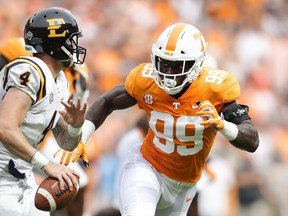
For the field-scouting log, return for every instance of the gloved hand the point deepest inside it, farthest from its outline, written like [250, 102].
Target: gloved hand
[210, 115]
[68, 156]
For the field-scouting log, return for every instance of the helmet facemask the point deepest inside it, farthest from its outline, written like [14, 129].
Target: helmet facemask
[173, 76]
[76, 54]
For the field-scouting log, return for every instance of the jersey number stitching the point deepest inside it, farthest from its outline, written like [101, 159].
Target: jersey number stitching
[25, 78]
[165, 138]
[215, 76]
[147, 71]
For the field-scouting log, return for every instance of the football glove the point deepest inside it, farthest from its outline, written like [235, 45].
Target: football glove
[68, 156]
[210, 115]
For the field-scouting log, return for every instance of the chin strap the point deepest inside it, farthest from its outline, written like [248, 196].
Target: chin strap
[70, 61]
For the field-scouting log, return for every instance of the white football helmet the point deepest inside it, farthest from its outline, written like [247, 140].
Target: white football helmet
[180, 49]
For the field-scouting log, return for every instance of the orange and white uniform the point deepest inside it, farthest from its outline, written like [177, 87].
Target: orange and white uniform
[176, 144]
[172, 157]
[77, 77]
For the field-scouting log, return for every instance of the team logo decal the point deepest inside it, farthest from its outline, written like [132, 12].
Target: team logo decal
[176, 105]
[54, 25]
[29, 35]
[148, 99]
[241, 112]
[195, 106]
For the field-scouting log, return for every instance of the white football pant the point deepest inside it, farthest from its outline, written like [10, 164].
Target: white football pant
[17, 196]
[146, 192]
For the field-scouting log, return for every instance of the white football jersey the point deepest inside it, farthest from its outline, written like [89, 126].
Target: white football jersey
[33, 76]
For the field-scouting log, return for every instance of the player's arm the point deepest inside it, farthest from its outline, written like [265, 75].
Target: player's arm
[12, 115]
[13, 109]
[233, 122]
[68, 128]
[115, 99]
[247, 138]
[62, 136]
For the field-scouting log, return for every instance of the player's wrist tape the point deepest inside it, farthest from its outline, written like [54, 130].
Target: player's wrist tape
[87, 130]
[230, 130]
[74, 132]
[38, 160]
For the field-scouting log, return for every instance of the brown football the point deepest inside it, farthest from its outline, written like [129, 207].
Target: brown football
[50, 198]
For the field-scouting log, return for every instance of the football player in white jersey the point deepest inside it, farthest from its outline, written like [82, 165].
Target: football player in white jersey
[77, 76]
[34, 100]
[187, 104]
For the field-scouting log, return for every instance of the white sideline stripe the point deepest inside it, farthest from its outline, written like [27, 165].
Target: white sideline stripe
[49, 198]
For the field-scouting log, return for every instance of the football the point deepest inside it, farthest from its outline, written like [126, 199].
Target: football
[50, 198]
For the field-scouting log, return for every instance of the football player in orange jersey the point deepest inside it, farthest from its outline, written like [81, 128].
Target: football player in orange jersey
[12, 48]
[186, 104]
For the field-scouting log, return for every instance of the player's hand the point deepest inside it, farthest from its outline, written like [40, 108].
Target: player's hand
[74, 114]
[63, 174]
[210, 115]
[68, 156]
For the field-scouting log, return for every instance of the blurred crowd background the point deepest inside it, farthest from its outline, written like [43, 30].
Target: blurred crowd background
[248, 38]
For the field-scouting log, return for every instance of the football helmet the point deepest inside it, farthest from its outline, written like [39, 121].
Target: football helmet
[54, 31]
[177, 57]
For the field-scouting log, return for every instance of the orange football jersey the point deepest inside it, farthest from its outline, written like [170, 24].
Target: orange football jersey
[13, 48]
[74, 76]
[176, 144]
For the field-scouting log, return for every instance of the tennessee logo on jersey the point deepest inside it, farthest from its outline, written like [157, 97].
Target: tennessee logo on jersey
[176, 144]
